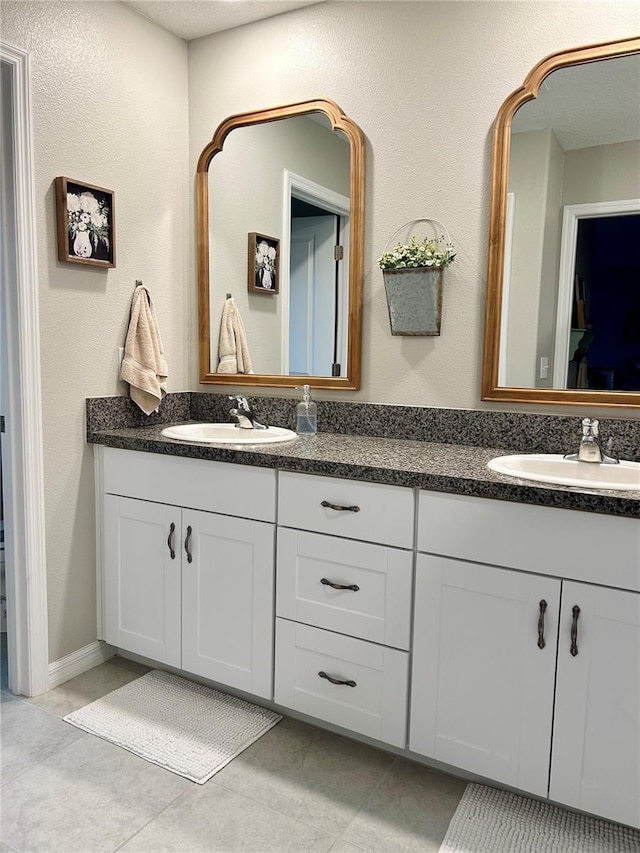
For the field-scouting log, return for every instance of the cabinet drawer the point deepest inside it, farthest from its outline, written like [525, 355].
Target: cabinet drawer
[195, 483]
[373, 512]
[602, 549]
[376, 702]
[378, 608]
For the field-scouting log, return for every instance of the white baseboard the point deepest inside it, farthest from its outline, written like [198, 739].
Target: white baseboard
[78, 662]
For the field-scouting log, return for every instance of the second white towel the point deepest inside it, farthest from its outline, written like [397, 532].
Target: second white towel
[233, 352]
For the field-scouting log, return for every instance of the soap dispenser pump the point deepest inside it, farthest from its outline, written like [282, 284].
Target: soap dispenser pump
[306, 414]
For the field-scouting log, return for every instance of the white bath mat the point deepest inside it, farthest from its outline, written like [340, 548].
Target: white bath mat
[492, 821]
[192, 730]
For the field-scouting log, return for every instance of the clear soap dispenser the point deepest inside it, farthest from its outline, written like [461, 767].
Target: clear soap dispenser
[306, 414]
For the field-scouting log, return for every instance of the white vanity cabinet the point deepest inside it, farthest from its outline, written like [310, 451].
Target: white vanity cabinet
[184, 585]
[343, 602]
[485, 696]
[520, 623]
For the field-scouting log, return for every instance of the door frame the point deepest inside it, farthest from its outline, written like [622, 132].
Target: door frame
[25, 553]
[332, 202]
[572, 214]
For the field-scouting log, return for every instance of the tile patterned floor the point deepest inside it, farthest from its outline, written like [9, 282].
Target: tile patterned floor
[296, 789]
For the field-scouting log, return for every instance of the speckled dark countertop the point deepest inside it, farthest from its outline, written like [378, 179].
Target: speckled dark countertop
[443, 467]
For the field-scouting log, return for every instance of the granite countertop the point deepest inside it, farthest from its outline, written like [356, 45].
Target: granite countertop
[458, 469]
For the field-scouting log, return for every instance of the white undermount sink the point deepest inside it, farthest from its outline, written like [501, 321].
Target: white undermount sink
[554, 468]
[227, 434]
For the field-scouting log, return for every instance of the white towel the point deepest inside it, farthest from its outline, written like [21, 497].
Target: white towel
[233, 352]
[144, 366]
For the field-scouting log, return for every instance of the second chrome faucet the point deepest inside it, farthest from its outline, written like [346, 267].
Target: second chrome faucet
[590, 449]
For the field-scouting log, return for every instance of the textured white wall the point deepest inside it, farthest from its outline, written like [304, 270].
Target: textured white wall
[602, 173]
[109, 108]
[424, 81]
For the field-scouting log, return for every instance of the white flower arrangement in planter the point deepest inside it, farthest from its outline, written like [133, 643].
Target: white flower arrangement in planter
[425, 253]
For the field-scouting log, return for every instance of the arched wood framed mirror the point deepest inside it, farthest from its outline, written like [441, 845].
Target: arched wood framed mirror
[562, 321]
[282, 190]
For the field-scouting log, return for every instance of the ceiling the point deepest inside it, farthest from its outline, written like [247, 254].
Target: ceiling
[191, 19]
[587, 105]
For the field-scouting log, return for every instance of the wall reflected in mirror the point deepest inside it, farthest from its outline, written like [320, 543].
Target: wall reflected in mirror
[290, 179]
[563, 283]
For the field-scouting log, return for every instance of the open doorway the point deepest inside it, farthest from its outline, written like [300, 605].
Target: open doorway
[608, 279]
[597, 343]
[314, 269]
[315, 345]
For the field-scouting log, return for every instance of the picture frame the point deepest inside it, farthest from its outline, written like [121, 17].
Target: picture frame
[263, 264]
[86, 225]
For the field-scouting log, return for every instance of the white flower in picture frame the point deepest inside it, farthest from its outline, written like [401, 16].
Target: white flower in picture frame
[86, 213]
[265, 264]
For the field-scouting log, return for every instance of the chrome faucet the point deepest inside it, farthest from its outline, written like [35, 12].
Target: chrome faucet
[244, 414]
[590, 449]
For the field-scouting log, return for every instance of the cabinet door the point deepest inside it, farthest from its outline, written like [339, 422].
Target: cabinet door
[141, 579]
[482, 696]
[227, 597]
[596, 742]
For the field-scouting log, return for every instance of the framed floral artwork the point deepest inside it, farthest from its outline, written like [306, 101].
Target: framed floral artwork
[264, 263]
[86, 223]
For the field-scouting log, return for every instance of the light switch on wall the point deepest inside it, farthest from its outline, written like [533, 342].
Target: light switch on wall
[544, 367]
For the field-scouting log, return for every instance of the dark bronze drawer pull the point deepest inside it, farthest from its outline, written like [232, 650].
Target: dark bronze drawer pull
[574, 631]
[187, 543]
[172, 551]
[339, 508]
[348, 683]
[543, 609]
[352, 586]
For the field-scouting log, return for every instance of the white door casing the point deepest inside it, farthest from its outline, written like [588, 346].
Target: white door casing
[25, 552]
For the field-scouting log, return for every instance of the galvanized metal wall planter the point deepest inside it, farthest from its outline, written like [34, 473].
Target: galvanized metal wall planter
[414, 299]
[412, 273]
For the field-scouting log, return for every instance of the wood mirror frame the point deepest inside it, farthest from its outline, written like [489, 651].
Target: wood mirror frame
[500, 173]
[339, 122]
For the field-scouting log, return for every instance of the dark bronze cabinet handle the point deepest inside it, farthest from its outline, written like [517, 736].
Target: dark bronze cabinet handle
[574, 631]
[543, 610]
[348, 683]
[172, 551]
[187, 543]
[352, 586]
[339, 508]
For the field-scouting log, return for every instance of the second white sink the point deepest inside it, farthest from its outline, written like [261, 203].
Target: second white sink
[554, 468]
[227, 434]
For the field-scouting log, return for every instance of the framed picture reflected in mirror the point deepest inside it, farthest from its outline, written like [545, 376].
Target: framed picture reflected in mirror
[263, 263]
